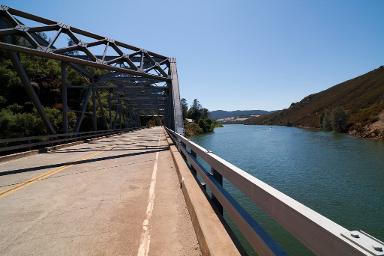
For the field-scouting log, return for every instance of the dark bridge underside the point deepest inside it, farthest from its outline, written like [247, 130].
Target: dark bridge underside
[139, 82]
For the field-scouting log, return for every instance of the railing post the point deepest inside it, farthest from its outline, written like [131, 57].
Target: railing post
[219, 179]
[83, 108]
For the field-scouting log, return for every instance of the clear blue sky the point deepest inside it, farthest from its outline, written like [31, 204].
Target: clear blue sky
[240, 54]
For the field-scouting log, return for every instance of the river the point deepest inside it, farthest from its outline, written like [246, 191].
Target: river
[337, 175]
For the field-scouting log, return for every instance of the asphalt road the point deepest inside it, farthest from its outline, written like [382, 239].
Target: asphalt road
[114, 196]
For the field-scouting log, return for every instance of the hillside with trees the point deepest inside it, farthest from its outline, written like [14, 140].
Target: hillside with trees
[355, 106]
[196, 120]
[18, 116]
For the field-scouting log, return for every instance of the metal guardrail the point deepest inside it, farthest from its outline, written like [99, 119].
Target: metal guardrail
[318, 233]
[45, 140]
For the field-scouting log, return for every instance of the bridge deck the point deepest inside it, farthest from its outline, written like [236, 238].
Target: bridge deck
[96, 199]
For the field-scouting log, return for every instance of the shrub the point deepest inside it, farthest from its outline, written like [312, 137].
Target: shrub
[192, 129]
[325, 121]
[206, 125]
[339, 120]
[19, 124]
[202, 124]
[335, 120]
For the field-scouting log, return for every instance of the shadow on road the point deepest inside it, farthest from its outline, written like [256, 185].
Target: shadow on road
[37, 168]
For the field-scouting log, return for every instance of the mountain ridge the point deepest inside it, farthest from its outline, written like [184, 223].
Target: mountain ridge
[220, 114]
[360, 101]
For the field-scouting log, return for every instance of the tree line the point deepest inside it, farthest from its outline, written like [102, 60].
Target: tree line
[19, 117]
[334, 120]
[196, 120]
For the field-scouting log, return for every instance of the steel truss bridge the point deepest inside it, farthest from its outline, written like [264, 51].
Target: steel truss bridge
[138, 82]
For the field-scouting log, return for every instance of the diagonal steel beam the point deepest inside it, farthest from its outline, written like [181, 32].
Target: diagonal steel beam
[30, 91]
[12, 26]
[83, 108]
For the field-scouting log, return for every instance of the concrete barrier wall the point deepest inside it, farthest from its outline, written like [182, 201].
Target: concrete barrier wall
[211, 234]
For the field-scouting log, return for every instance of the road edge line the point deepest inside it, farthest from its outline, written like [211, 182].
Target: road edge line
[145, 237]
[210, 232]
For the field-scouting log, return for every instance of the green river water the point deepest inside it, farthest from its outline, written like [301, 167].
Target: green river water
[337, 175]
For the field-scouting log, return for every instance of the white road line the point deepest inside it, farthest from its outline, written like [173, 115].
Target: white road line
[145, 238]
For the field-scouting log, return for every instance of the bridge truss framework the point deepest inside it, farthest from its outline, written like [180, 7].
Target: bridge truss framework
[138, 82]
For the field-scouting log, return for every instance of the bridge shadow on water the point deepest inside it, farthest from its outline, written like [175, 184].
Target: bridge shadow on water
[38, 168]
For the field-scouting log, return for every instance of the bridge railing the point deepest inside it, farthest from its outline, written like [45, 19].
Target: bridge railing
[32, 142]
[318, 233]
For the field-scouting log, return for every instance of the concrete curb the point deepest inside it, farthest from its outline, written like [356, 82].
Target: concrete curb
[212, 236]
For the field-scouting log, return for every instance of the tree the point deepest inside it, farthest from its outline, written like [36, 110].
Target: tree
[18, 116]
[195, 111]
[339, 120]
[184, 107]
[44, 36]
[201, 124]
[72, 43]
[206, 124]
[196, 104]
[335, 120]
[204, 113]
[325, 121]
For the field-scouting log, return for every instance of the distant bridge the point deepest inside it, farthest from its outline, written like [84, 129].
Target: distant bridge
[116, 191]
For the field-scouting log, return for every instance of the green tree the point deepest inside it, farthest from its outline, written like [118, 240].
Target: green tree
[339, 120]
[204, 113]
[195, 111]
[201, 124]
[184, 107]
[72, 43]
[207, 125]
[325, 121]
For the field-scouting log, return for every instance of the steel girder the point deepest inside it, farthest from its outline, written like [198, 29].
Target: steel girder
[128, 59]
[142, 81]
[176, 112]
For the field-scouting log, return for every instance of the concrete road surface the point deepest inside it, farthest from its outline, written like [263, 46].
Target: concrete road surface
[114, 196]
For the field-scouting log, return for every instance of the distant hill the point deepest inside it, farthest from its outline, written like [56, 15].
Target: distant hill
[359, 102]
[220, 114]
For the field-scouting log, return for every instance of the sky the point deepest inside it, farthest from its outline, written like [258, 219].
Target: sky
[239, 54]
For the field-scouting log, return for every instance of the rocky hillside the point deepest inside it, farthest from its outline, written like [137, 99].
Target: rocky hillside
[355, 106]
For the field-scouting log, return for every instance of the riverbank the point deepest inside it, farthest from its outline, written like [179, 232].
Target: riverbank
[192, 129]
[374, 131]
[326, 171]
[355, 107]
